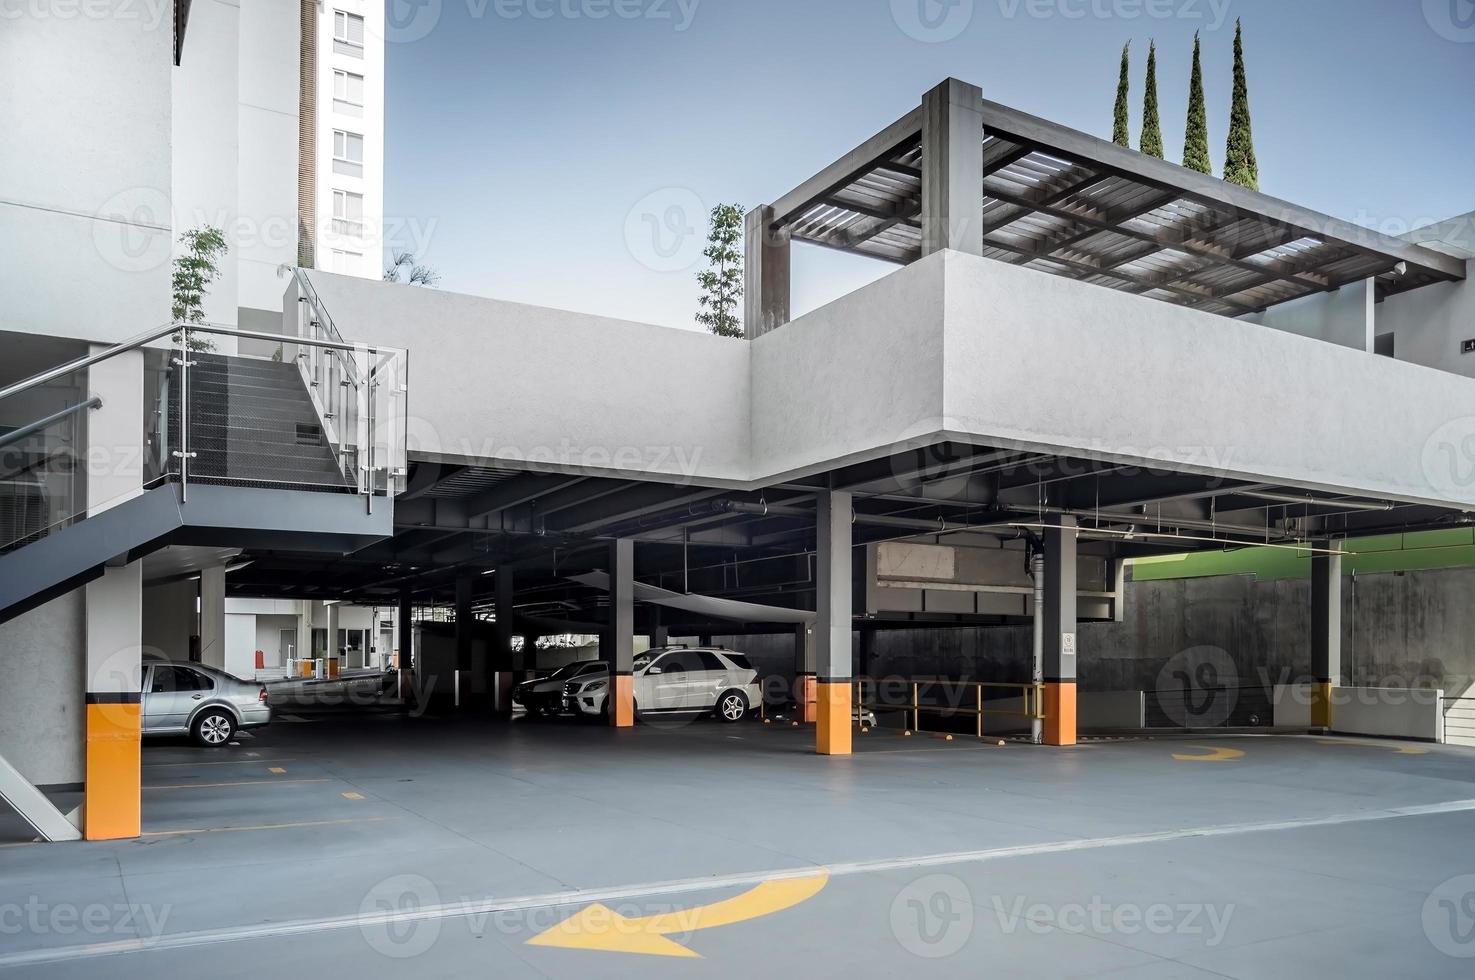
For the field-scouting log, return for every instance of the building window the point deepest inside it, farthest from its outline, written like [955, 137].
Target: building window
[348, 153]
[348, 33]
[346, 261]
[348, 213]
[348, 93]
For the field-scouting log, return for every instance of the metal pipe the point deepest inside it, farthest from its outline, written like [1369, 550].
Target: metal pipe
[1290, 498]
[16, 435]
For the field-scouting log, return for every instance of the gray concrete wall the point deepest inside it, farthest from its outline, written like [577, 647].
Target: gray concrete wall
[1428, 324]
[42, 716]
[1344, 317]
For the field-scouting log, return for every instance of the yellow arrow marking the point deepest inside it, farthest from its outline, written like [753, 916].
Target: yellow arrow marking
[1401, 750]
[599, 927]
[1214, 755]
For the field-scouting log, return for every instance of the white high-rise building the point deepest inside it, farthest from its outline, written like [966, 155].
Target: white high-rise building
[343, 106]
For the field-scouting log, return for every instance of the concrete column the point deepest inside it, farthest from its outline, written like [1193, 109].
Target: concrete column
[952, 168]
[303, 650]
[1326, 630]
[331, 665]
[212, 617]
[806, 674]
[506, 665]
[1059, 615]
[404, 622]
[465, 636]
[833, 597]
[621, 701]
[114, 638]
[765, 274]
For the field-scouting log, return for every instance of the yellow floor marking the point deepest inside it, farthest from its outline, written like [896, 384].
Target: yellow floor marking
[223, 762]
[1214, 755]
[599, 927]
[353, 796]
[261, 826]
[1400, 749]
[239, 782]
[276, 769]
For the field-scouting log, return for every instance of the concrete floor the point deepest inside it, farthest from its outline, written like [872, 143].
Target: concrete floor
[385, 846]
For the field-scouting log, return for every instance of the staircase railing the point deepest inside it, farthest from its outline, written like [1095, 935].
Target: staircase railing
[54, 468]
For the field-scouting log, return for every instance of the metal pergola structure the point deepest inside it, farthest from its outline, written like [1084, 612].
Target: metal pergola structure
[1064, 202]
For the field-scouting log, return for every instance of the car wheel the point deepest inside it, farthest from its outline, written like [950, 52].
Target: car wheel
[213, 728]
[732, 706]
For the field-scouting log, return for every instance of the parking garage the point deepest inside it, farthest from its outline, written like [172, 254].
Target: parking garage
[1084, 361]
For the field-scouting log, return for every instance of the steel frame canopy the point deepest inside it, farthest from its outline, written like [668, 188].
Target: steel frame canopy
[1061, 201]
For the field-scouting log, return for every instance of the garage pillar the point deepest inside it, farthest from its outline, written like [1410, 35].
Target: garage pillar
[833, 584]
[1059, 614]
[113, 773]
[212, 617]
[805, 674]
[331, 663]
[1326, 629]
[302, 650]
[507, 665]
[621, 699]
[766, 273]
[952, 168]
[465, 640]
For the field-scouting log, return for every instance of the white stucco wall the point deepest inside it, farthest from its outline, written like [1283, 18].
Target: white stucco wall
[517, 384]
[951, 347]
[1346, 316]
[85, 173]
[1045, 362]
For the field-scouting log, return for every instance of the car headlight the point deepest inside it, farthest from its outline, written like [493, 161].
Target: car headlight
[596, 686]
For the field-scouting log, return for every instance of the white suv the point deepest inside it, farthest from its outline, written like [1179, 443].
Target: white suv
[678, 680]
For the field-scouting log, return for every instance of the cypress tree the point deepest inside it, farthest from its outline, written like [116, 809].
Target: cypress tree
[1240, 166]
[1152, 127]
[1119, 132]
[1196, 139]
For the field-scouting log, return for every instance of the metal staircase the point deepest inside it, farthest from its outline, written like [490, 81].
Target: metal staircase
[291, 452]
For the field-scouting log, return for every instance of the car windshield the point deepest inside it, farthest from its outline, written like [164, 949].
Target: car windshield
[567, 670]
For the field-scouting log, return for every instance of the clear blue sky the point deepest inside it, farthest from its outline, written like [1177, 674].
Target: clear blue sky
[529, 141]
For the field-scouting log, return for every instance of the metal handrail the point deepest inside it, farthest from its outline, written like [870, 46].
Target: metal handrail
[16, 435]
[1033, 707]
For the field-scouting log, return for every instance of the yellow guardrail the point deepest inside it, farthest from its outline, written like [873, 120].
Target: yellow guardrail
[961, 698]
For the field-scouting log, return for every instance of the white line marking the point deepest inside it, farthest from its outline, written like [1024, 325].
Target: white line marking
[680, 886]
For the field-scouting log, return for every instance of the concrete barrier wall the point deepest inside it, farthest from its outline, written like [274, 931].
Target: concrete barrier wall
[1391, 712]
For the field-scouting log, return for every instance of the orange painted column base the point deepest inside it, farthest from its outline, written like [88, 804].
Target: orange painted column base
[832, 727]
[806, 709]
[622, 704]
[1321, 704]
[112, 805]
[1060, 712]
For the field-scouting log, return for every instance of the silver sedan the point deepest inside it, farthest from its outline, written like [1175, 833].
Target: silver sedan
[207, 704]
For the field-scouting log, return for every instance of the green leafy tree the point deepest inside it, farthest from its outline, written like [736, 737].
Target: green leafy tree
[722, 284]
[1152, 124]
[194, 270]
[1196, 135]
[1120, 134]
[405, 269]
[1240, 166]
